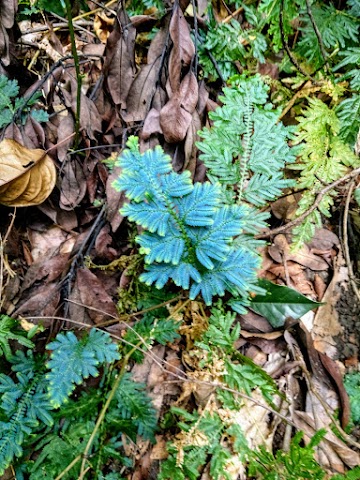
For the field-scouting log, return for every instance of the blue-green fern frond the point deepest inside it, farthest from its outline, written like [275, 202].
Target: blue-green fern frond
[72, 360]
[188, 238]
[168, 249]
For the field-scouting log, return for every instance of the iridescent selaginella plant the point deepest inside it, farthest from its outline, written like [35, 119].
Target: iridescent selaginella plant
[188, 230]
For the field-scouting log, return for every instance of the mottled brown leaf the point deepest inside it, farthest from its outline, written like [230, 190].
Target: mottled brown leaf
[141, 93]
[93, 295]
[65, 135]
[73, 185]
[151, 124]
[189, 92]
[174, 120]
[41, 301]
[115, 200]
[183, 47]
[119, 65]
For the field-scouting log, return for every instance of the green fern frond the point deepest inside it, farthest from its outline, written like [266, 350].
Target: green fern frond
[10, 330]
[352, 386]
[229, 43]
[24, 404]
[151, 329]
[337, 30]
[271, 10]
[133, 403]
[324, 157]
[297, 464]
[190, 229]
[247, 147]
[348, 112]
[10, 103]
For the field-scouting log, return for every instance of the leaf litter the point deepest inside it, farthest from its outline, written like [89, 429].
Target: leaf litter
[157, 96]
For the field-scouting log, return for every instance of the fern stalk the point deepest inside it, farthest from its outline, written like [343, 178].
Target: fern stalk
[105, 408]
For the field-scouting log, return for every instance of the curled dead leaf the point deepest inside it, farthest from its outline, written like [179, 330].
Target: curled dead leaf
[27, 176]
[102, 26]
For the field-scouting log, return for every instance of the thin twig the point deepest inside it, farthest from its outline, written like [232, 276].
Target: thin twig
[232, 15]
[346, 242]
[77, 71]
[4, 262]
[286, 46]
[69, 467]
[195, 37]
[318, 35]
[318, 199]
[104, 410]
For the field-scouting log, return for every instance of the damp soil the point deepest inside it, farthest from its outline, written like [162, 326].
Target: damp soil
[348, 342]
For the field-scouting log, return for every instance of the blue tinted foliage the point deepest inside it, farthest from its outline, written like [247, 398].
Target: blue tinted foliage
[189, 231]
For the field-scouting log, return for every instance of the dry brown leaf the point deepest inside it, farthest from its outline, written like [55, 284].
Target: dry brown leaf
[285, 207]
[305, 422]
[115, 200]
[102, 24]
[52, 241]
[280, 251]
[27, 176]
[183, 48]
[119, 68]
[8, 9]
[94, 296]
[151, 124]
[326, 324]
[174, 120]
[65, 138]
[141, 93]
[189, 92]
[324, 240]
[41, 301]
[190, 149]
[73, 185]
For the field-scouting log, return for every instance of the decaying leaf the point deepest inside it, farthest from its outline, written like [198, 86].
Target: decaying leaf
[102, 24]
[176, 115]
[27, 176]
[183, 49]
[326, 323]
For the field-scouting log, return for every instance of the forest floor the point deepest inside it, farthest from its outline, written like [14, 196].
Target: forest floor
[68, 261]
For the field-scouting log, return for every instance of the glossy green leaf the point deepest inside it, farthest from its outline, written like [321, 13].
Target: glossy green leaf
[280, 303]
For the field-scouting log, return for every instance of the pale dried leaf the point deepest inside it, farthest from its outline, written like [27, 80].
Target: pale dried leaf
[28, 176]
[102, 26]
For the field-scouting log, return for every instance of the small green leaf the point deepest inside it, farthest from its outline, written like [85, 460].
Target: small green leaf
[357, 196]
[279, 303]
